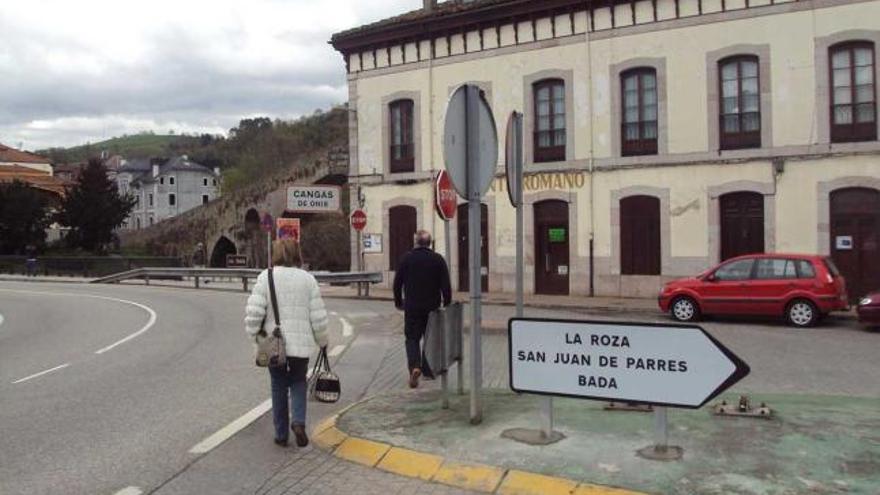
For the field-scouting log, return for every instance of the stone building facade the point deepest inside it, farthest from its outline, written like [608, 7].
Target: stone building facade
[662, 136]
[166, 190]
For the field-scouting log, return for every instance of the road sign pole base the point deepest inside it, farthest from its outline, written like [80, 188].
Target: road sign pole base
[529, 436]
[661, 453]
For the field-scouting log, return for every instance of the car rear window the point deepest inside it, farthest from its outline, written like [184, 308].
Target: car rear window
[829, 263]
[805, 269]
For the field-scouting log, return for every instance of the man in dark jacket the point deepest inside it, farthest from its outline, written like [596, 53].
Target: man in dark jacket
[421, 280]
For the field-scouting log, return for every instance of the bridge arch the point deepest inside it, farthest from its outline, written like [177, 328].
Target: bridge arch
[222, 247]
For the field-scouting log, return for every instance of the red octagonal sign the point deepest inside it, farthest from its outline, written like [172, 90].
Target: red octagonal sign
[358, 220]
[445, 197]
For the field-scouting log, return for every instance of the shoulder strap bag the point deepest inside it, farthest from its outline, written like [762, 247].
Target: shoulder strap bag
[325, 386]
[271, 351]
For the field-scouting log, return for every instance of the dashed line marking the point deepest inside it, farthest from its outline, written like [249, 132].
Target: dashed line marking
[35, 375]
[336, 351]
[130, 490]
[1, 319]
[347, 329]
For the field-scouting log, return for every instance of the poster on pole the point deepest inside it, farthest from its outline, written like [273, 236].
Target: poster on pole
[288, 228]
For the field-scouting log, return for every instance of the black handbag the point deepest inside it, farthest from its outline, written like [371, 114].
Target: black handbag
[271, 350]
[325, 386]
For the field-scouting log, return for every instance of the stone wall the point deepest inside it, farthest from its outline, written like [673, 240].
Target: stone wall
[225, 216]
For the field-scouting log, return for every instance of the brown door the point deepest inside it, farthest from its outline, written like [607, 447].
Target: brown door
[402, 226]
[464, 255]
[742, 224]
[640, 235]
[551, 247]
[855, 235]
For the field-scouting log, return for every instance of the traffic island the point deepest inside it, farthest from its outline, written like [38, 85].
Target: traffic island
[813, 444]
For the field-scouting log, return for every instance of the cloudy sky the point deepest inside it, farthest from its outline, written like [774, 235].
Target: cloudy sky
[81, 71]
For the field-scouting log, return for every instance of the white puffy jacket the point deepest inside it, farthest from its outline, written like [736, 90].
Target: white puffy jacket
[300, 307]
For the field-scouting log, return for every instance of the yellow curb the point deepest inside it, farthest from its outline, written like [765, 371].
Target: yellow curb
[329, 438]
[602, 490]
[410, 463]
[366, 452]
[477, 477]
[327, 423]
[524, 483]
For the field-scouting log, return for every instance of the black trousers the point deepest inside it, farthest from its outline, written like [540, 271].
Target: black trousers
[414, 325]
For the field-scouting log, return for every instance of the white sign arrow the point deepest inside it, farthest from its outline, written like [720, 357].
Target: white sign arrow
[667, 365]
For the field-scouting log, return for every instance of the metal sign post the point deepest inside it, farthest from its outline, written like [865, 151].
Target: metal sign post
[514, 172]
[470, 145]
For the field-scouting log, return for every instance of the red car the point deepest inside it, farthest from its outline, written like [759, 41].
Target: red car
[801, 288]
[869, 310]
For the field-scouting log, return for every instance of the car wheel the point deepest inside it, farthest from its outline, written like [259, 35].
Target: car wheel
[802, 313]
[684, 309]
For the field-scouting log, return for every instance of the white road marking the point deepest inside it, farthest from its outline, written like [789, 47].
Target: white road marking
[1, 319]
[236, 426]
[65, 365]
[336, 351]
[347, 329]
[130, 490]
[150, 322]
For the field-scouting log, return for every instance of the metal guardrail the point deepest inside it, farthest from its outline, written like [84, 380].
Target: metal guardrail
[245, 274]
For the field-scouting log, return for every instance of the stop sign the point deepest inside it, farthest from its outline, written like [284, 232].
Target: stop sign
[446, 199]
[358, 220]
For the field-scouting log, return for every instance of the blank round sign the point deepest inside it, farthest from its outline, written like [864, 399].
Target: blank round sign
[455, 139]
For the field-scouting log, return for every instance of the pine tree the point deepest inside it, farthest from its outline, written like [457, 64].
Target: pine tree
[93, 208]
[23, 217]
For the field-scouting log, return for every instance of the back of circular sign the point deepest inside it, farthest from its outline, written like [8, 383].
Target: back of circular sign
[456, 135]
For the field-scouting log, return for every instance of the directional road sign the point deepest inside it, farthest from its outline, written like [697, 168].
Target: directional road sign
[664, 365]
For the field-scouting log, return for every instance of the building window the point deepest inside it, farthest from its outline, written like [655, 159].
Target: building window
[138, 222]
[639, 127]
[171, 180]
[204, 199]
[402, 148]
[549, 136]
[740, 117]
[151, 200]
[151, 220]
[853, 99]
[640, 235]
[205, 181]
[215, 182]
[162, 180]
[172, 200]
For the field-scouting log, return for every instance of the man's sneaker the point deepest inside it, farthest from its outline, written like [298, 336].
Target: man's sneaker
[414, 377]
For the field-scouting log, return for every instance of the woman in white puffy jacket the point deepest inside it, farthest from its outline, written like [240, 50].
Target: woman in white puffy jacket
[304, 326]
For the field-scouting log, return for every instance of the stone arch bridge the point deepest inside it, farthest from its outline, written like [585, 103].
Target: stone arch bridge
[231, 223]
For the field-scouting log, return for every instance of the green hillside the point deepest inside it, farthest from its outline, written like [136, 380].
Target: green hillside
[137, 146]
